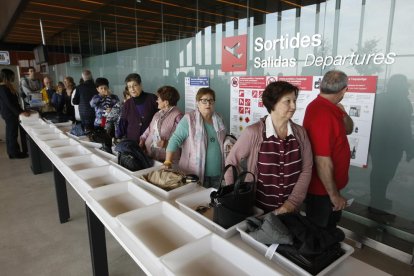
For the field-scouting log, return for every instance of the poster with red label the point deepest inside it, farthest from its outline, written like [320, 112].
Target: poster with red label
[359, 104]
[247, 106]
[246, 102]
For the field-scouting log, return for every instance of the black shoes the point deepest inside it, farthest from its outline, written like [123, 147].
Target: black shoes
[20, 155]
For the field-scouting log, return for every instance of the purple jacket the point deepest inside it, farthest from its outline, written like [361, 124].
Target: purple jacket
[135, 118]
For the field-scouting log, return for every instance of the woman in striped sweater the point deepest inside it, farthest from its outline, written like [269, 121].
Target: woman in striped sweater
[277, 151]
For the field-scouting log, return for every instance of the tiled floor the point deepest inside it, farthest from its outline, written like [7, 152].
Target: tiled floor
[33, 242]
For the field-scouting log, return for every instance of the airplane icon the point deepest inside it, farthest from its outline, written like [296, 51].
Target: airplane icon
[233, 50]
[234, 53]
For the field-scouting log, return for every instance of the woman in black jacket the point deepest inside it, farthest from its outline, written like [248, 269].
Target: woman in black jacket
[10, 111]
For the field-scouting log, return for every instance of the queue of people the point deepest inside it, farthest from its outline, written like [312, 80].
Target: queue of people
[292, 163]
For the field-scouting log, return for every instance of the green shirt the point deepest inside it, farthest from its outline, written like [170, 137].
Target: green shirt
[213, 158]
[213, 152]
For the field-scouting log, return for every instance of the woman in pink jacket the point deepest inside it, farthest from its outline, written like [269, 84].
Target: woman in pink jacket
[277, 151]
[155, 139]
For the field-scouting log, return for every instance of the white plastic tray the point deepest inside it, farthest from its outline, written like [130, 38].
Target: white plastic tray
[101, 176]
[213, 256]
[157, 190]
[76, 137]
[160, 228]
[45, 129]
[69, 151]
[84, 162]
[32, 121]
[60, 142]
[287, 264]
[42, 125]
[189, 203]
[85, 141]
[119, 198]
[52, 136]
[65, 129]
[63, 124]
[105, 155]
[34, 116]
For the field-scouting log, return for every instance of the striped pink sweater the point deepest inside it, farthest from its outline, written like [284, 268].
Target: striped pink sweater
[279, 166]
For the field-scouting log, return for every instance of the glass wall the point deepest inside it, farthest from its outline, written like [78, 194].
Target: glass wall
[384, 189]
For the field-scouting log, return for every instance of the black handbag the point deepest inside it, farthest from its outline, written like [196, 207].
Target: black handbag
[99, 135]
[235, 202]
[132, 157]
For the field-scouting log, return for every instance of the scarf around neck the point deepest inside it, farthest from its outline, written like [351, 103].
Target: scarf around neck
[200, 140]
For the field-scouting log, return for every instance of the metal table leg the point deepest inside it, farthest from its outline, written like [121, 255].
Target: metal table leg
[39, 163]
[61, 195]
[97, 244]
[23, 140]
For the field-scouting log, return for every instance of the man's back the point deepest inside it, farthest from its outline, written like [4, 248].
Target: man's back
[326, 131]
[83, 96]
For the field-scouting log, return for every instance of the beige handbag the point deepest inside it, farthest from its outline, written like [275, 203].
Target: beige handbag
[166, 179]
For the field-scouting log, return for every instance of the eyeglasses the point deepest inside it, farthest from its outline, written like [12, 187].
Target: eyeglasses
[205, 101]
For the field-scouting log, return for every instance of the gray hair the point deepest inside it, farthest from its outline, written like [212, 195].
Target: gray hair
[86, 75]
[333, 82]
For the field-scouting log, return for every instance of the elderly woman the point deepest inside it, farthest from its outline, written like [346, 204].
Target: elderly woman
[163, 124]
[277, 151]
[137, 112]
[201, 134]
[10, 111]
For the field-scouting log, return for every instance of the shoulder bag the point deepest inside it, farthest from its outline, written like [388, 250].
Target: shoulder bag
[235, 202]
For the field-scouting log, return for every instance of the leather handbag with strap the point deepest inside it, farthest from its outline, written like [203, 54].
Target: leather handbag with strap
[235, 202]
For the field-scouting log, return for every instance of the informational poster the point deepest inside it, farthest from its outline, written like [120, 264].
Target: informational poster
[359, 104]
[4, 58]
[247, 106]
[192, 84]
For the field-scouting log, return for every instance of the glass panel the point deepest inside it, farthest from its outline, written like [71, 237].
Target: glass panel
[402, 40]
[308, 27]
[349, 27]
[375, 24]
[176, 39]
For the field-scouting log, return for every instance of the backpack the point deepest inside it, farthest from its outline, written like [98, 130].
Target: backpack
[132, 157]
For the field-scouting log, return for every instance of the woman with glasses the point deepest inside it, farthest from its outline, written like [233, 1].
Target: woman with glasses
[155, 138]
[201, 135]
[277, 151]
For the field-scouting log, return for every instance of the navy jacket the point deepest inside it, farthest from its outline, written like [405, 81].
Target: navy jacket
[83, 96]
[9, 103]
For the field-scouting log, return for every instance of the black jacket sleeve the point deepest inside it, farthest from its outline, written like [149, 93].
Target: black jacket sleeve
[9, 103]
